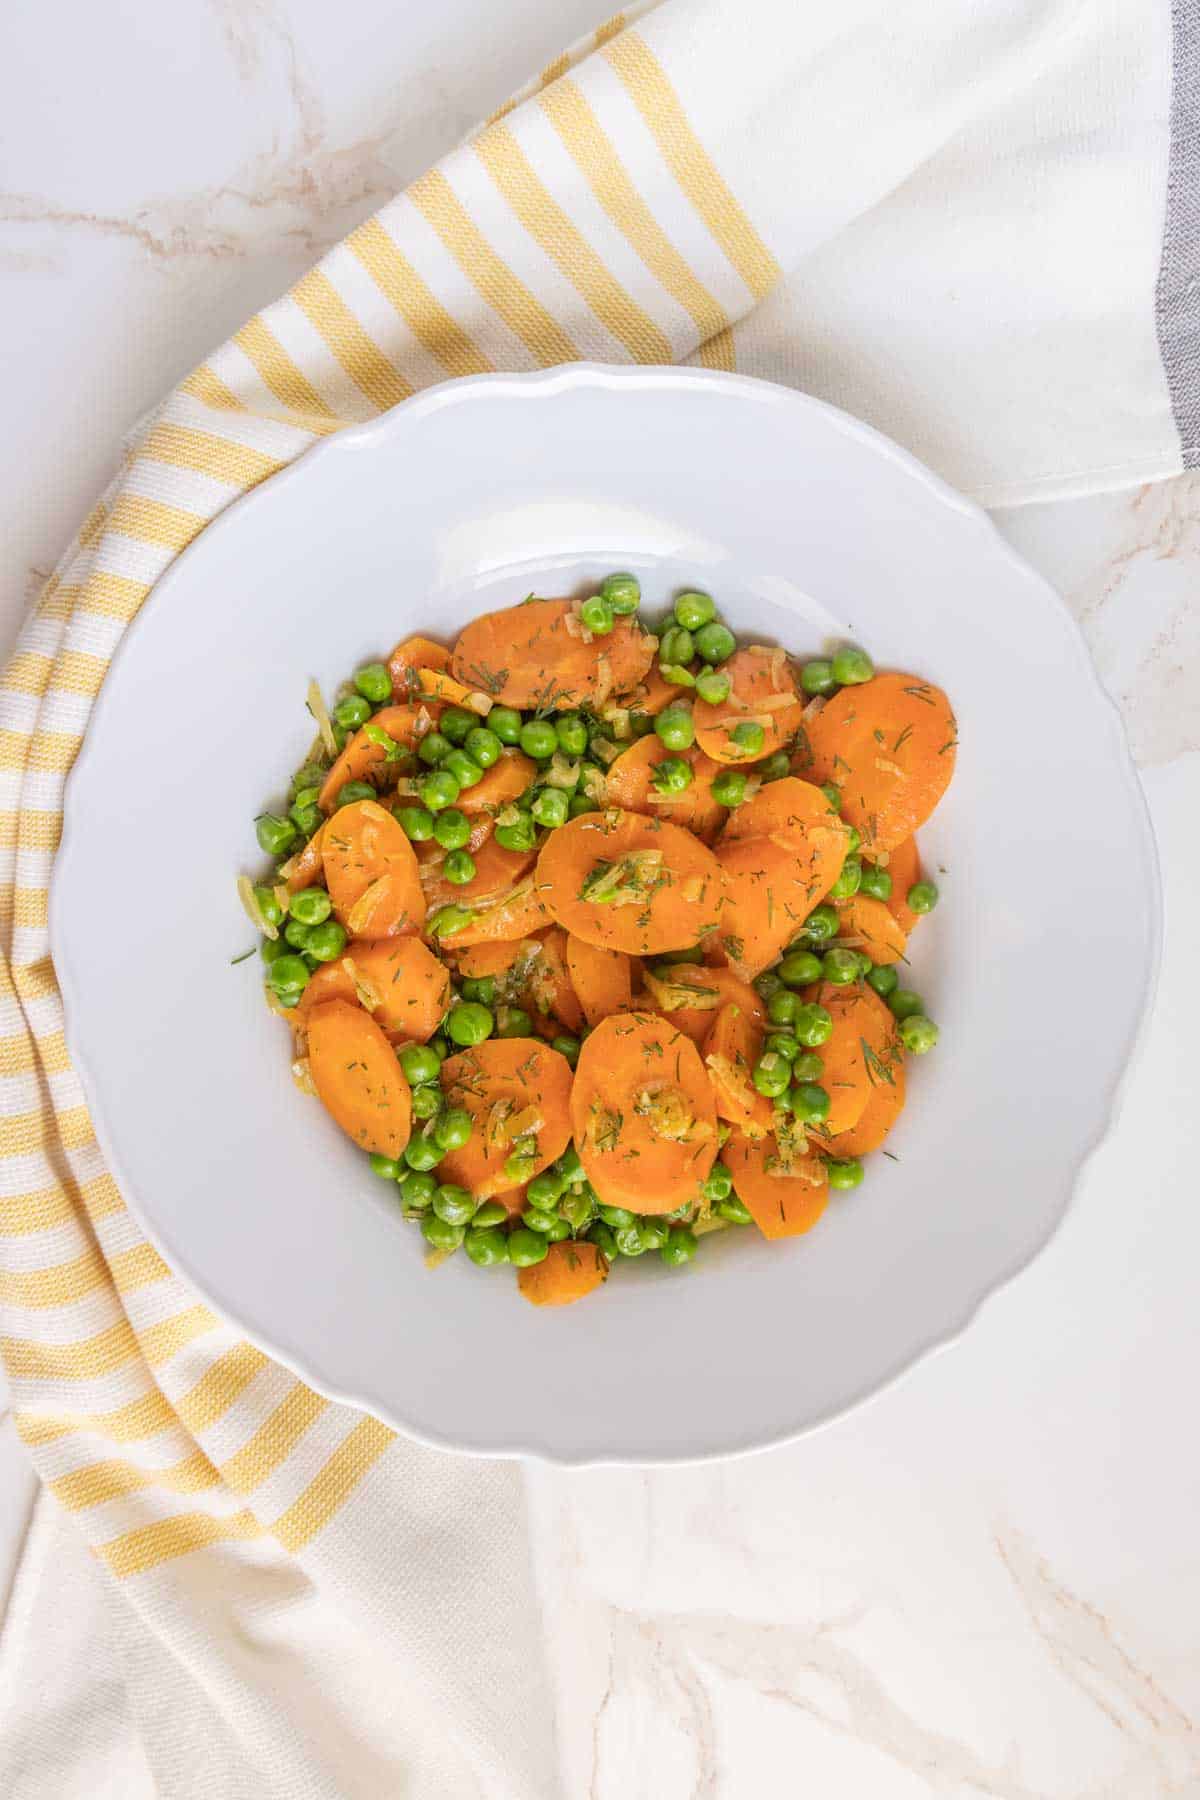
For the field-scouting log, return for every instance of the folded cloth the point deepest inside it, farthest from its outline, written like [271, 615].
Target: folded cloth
[972, 226]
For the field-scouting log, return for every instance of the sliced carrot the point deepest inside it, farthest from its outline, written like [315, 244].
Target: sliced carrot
[513, 1199]
[497, 871]
[769, 893]
[642, 1113]
[904, 867]
[733, 1046]
[365, 760]
[871, 927]
[780, 1205]
[500, 1080]
[371, 872]
[880, 1113]
[759, 677]
[505, 781]
[651, 694]
[411, 654]
[398, 981]
[332, 981]
[534, 656]
[304, 869]
[480, 960]
[860, 1054]
[602, 979]
[714, 987]
[570, 1271]
[793, 812]
[889, 745]
[356, 1074]
[625, 882]
[630, 784]
[549, 992]
[518, 916]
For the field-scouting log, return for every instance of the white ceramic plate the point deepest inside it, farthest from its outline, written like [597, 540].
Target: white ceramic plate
[805, 525]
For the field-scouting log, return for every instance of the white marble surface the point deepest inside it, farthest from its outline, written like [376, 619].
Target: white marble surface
[985, 1582]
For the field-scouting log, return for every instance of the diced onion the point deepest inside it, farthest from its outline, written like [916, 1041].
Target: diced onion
[523, 1124]
[891, 768]
[480, 703]
[360, 913]
[320, 712]
[816, 705]
[435, 1258]
[562, 773]
[302, 1076]
[671, 996]
[368, 994]
[251, 908]
[604, 679]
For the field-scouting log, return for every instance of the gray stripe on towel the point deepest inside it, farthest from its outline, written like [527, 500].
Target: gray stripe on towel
[1178, 294]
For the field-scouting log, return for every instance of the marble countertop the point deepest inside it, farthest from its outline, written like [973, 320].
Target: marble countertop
[986, 1581]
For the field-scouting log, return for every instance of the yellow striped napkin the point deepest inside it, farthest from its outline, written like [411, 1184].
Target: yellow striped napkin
[634, 205]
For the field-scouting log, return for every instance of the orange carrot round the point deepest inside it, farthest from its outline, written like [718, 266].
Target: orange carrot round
[304, 869]
[515, 1089]
[356, 1074]
[629, 784]
[363, 759]
[630, 883]
[872, 927]
[781, 1204]
[505, 781]
[534, 656]
[904, 867]
[733, 1046]
[518, 915]
[569, 1272]
[859, 1056]
[497, 871]
[667, 988]
[548, 991]
[602, 979]
[763, 692]
[411, 654]
[878, 1116]
[371, 872]
[889, 745]
[769, 895]
[642, 1114]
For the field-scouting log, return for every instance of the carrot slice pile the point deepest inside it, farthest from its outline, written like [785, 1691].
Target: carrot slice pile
[602, 979]
[355, 1072]
[890, 747]
[860, 1054]
[517, 1091]
[535, 656]
[371, 872]
[629, 883]
[642, 1114]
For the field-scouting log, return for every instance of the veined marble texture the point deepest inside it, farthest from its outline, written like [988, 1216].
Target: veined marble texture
[986, 1581]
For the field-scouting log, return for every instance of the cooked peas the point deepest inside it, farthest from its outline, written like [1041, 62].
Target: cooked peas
[822, 924]
[326, 942]
[694, 610]
[848, 882]
[567, 1045]
[271, 949]
[672, 775]
[544, 1190]
[715, 642]
[505, 721]
[275, 835]
[454, 1204]
[479, 987]
[884, 980]
[459, 867]
[416, 822]
[295, 933]
[419, 1064]
[817, 677]
[539, 739]
[526, 1247]
[578, 1209]
[905, 1003]
[385, 1166]
[422, 1153]
[735, 1210]
[352, 712]
[580, 803]
[602, 1236]
[456, 722]
[807, 1066]
[416, 1189]
[486, 1248]
[851, 666]
[840, 966]
[677, 675]
[876, 882]
[453, 1128]
[571, 733]
[451, 828]
[374, 683]
[800, 968]
[483, 746]
[653, 1233]
[680, 1247]
[623, 593]
[776, 767]
[833, 794]
[782, 1007]
[492, 1212]
[469, 1023]
[569, 1166]
[749, 735]
[305, 813]
[353, 791]
[809, 1102]
[268, 906]
[718, 1184]
[440, 1233]
[551, 807]
[520, 836]
[534, 1219]
[728, 788]
[619, 1217]
[918, 1033]
[713, 686]
[465, 770]
[629, 1240]
[674, 727]
[812, 1025]
[922, 897]
[676, 646]
[772, 1074]
[312, 906]
[427, 1101]
[449, 919]
[439, 790]
[596, 615]
[513, 1021]
[844, 1172]
[782, 1043]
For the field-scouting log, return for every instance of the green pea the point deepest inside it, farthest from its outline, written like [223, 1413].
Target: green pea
[653, 1233]
[312, 906]
[884, 980]
[619, 1217]
[694, 956]
[295, 933]
[539, 739]
[416, 822]
[486, 1247]
[675, 728]
[469, 1023]
[433, 747]
[526, 1247]
[268, 906]
[544, 1190]
[629, 1240]
[305, 814]
[455, 723]
[275, 835]
[800, 968]
[452, 828]
[492, 1212]
[693, 610]
[715, 642]
[672, 775]
[454, 1204]
[918, 1033]
[735, 1210]
[478, 987]
[571, 734]
[483, 746]
[597, 615]
[713, 687]
[521, 836]
[518, 1167]
[833, 794]
[677, 675]
[604, 1239]
[567, 1045]
[326, 942]
[465, 770]
[459, 867]
[340, 735]
[822, 924]
[352, 712]
[772, 1074]
[513, 1022]
[749, 735]
[904, 1003]
[505, 721]
[419, 1064]
[449, 919]
[354, 791]
[374, 683]
[809, 1102]
[812, 1025]
[422, 1153]
[851, 666]
[416, 1189]
[807, 1066]
[385, 1166]
[569, 1166]
[439, 790]
[440, 1047]
[680, 1247]
[271, 949]
[876, 882]
[534, 1219]
[844, 1172]
[817, 677]
[440, 1233]
[551, 807]
[840, 966]
[782, 1043]
[782, 1007]
[766, 984]
[623, 593]
[847, 883]
[676, 646]
[578, 1209]
[427, 1100]
[776, 766]
[728, 788]
[718, 1184]
[309, 777]
[922, 897]
[453, 1128]
[580, 803]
